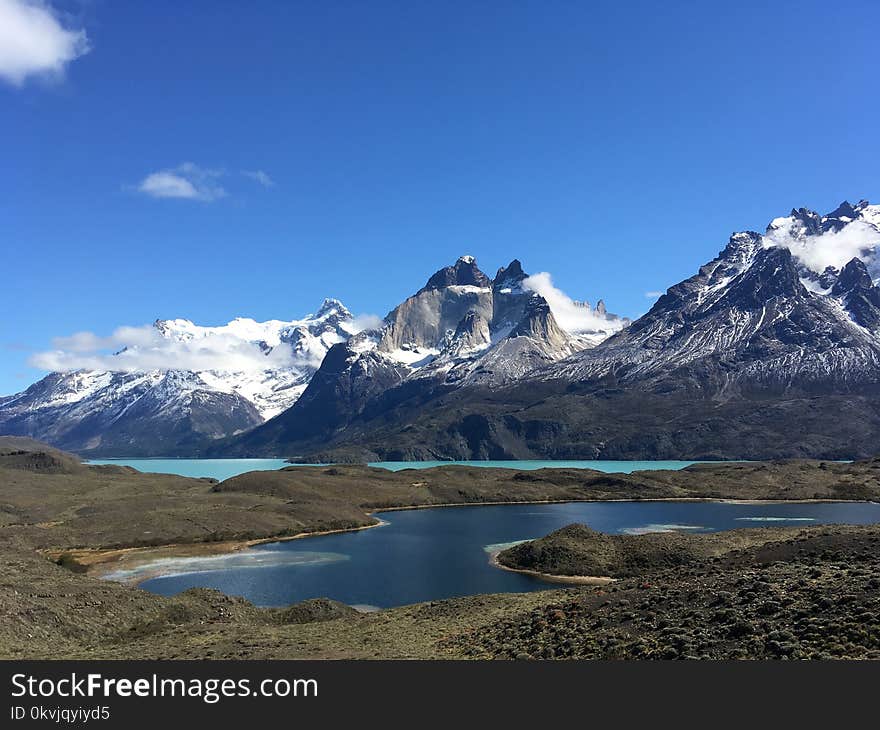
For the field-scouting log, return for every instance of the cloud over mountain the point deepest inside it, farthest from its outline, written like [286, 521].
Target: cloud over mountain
[572, 316]
[243, 345]
[144, 348]
[831, 248]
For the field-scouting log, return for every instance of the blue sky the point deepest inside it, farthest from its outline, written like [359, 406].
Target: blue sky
[615, 145]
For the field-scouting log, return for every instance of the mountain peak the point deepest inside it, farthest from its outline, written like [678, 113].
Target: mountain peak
[802, 223]
[471, 334]
[509, 276]
[844, 210]
[464, 272]
[539, 323]
[742, 246]
[847, 211]
[810, 219]
[853, 276]
[773, 274]
[332, 306]
[174, 327]
[860, 297]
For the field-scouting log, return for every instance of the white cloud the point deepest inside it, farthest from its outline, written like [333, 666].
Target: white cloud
[259, 176]
[33, 42]
[187, 181]
[168, 185]
[654, 294]
[572, 316]
[136, 349]
[179, 344]
[855, 240]
[362, 322]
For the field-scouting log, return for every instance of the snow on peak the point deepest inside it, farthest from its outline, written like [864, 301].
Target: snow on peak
[467, 259]
[870, 214]
[271, 332]
[831, 241]
[331, 307]
[268, 363]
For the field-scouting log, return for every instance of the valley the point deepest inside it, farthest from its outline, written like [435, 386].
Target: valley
[764, 359]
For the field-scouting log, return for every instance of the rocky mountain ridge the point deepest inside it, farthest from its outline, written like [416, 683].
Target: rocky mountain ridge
[772, 349]
[461, 326]
[460, 329]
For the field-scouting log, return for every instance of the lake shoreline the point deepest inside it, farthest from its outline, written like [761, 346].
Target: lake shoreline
[581, 580]
[101, 563]
[114, 517]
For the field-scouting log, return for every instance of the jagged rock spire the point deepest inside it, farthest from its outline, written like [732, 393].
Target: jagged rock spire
[509, 276]
[464, 272]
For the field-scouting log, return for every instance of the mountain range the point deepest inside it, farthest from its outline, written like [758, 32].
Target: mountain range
[772, 349]
[178, 411]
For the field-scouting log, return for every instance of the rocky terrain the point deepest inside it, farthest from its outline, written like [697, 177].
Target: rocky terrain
[577, 550]
[757, 593]
[802, 594]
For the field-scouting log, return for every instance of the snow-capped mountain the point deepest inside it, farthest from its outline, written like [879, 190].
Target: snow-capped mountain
[772, 349]
[295, 350]
[120, 413]
[793, 307]
[462, 325]
[131, 408]
[461, 328]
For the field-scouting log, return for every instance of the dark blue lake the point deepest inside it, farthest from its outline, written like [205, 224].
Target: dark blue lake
[431, 554]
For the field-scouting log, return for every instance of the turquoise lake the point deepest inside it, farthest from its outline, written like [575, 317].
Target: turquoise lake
[225, 468]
